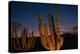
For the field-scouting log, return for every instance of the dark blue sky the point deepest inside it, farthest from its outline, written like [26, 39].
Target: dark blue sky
[26, 14]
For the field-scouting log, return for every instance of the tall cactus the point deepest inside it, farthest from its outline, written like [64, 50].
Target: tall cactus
[24, 39]
[31, 41]
[51, 27]
[15, 27]
[58, 33]
[45, 39]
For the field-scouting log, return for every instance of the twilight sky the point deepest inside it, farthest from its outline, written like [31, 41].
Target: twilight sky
[26, 14]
